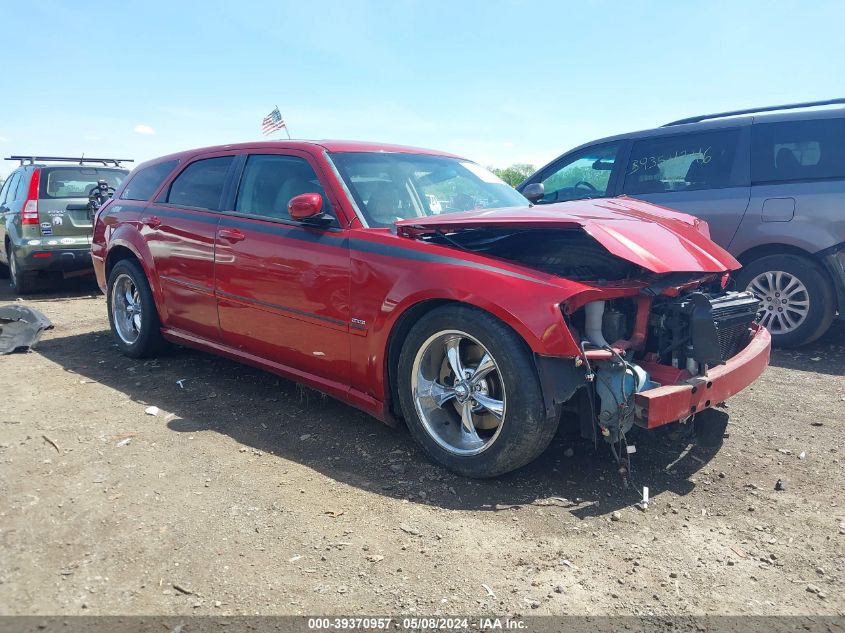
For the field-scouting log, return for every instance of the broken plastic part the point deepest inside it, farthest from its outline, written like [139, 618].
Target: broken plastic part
[21, 328]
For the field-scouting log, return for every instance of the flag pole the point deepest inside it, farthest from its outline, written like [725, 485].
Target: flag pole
[286, 125]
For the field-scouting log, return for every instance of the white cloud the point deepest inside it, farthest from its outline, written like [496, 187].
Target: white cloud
[144, 129]
[4, 139]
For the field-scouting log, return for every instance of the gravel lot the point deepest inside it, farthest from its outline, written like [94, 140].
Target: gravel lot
[249, 495]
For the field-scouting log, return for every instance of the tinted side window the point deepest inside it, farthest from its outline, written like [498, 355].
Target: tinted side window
[14, 194]
[19, 190]
[7, 195]
[5, 189]
[269, 182]
[682, 163]
[144, 183]
[798, 150]
[201, 184]
[585, 175]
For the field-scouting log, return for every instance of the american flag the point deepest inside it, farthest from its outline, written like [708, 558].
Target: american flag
[272, 122]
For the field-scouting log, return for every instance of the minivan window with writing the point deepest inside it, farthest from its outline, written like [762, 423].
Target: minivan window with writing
[682, 162]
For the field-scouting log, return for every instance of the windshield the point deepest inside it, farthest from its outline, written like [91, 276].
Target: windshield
[395, 186]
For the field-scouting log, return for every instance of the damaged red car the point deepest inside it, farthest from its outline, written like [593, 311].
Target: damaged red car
[417, 286]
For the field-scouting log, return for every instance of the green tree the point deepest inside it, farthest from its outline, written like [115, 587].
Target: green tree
[514, 174]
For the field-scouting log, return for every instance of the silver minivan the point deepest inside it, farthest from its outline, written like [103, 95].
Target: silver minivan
[771, 186]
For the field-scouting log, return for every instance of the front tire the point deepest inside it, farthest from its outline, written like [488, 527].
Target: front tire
[798, 304]
[470, 394]
[133, 316]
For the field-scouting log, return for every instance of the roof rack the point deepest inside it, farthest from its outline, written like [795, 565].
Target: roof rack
[788, 106]
[65, 159]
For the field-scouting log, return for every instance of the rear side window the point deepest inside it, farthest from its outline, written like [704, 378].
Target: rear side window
[5, 188]
[798, 150]
[76, 182]
[7, 196]
[270, 181]
[143, 184]
[682, 163]
[201, 184]
[19, 188]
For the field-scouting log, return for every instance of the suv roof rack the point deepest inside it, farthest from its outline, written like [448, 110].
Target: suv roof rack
[788, 106]
[65, 159]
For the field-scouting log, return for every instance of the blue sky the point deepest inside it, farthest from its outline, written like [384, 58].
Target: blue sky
[497, 81]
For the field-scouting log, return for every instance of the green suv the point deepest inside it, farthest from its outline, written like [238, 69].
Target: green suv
[45, 216]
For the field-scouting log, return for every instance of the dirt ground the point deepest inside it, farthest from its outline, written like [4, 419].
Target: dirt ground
[249, 495]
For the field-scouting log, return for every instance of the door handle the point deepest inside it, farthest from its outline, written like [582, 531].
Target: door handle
[152, 221]
[231, 235]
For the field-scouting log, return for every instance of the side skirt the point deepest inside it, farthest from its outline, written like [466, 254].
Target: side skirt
[340, 391]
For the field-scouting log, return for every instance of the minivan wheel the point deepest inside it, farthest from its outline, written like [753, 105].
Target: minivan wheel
[797, 301]
[132, 311]
[470, 394]
[22, 282]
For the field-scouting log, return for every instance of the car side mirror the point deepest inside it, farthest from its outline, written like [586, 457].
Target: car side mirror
[308, 208]
[534, 191]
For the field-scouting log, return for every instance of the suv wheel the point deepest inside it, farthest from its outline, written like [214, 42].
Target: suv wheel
[22, 282]
[132, 311]
[470, 393]
[797, 301]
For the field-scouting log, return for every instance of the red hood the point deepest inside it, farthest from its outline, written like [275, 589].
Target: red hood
[656, 238]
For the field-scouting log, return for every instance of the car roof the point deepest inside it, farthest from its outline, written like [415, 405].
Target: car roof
[717, 123]
[328, 145]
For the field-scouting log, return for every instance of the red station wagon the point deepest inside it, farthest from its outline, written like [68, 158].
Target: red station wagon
[416, 285]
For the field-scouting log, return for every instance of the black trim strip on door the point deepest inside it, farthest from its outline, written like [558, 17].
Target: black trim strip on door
[330, 238]
[276, 306]
[389, 250]
[188, 284]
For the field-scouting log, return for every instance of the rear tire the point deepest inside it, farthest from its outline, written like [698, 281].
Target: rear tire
[493, 420]
[133, 316]
[21, 281]
[798, 301]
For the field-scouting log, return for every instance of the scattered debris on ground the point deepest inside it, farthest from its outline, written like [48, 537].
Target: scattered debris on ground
[21, 327]
[266, 500]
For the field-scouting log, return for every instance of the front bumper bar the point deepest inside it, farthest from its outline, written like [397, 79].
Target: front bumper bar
[662, 405]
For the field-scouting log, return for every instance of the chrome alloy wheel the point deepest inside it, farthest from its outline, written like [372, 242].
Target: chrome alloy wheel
[784, 299]
[126, 309]
[458, 392]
